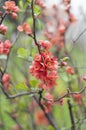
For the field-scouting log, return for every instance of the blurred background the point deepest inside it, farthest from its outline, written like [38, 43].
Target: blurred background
[23, 113]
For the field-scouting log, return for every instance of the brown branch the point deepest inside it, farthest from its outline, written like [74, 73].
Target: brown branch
[3, 17]
[47, 115]
[1, 71]
[32, 118]
[16, 95]
[16, 121]
[74, 41]
[34, 26]
[80, 122]
[71, 115]
[68, 94]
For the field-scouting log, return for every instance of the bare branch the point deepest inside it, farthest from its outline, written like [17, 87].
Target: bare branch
[34, 26]
[68, 94]
[16, 121]
[16, 95]
[47, 115]
[3, 17]
[71, 115]
[74, 41]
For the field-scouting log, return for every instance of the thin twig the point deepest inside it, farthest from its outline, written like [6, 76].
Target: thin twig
[68, 94]
[47, 115]
[19, 125]
[34, 26]
[16, 95]
[75, 41]
[32, 118]
[71, 115]
[3, 17]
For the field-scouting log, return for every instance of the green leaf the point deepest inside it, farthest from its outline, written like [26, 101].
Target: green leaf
[37, 10]
[4, 57]
[33, 82]
[65, 58]
[21, 86]
[22, 52]
[29, 1]
[21, 4]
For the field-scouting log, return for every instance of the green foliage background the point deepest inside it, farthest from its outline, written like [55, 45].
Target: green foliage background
[20, 59]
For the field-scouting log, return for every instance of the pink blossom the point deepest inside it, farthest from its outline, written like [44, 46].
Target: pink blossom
[45, 44]
[11, 8]
[25, 27]
[3, 29]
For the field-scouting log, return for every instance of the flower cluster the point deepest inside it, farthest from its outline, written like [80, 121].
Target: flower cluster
[3, 29]
[25, 27]
[56, 26]
[44, 66]
[5, 47]
[5, 79]
[11, 8]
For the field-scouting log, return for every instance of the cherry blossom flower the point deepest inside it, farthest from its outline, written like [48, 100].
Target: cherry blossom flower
[5, 47]
[3, 29]
[5, 79]
[45, 44]
[70, 70]
[44, 67]
[11, 8]
[25, 27]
